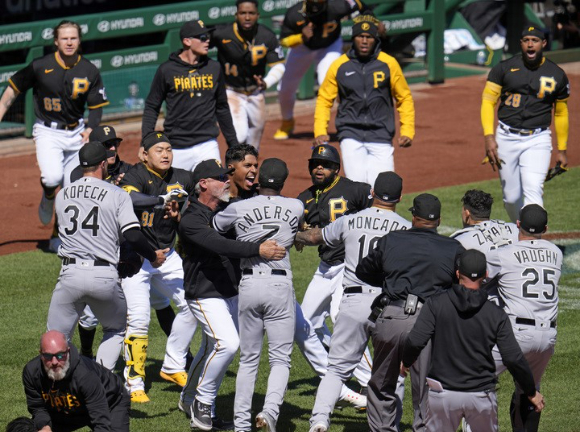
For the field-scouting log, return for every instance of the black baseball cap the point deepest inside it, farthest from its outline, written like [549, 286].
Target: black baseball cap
[365, 24]
[388, 186]
[533, 218]
[154, 138]
[533, 31]
[273, 173]
[92, 153]
[193, 28]
[426, 206]
[472, 263]
[325, 152]
[210, 168]
[104, 134]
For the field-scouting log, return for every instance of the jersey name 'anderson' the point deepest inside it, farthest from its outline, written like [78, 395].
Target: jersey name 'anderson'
[258, 215]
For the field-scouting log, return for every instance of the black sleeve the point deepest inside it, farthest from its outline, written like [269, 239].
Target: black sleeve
[95, 116]
[197, 231]
[23, 79]
[419, 336]
[513, 358]
[370, 268]
[153, 103]
[140, 244]
[496, 74]
[95, 400]
[35, 401]
[143, 201]
[289, 26]
[224, 116]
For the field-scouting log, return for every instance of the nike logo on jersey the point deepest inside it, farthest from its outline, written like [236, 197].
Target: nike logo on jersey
[150, 182]
[300, 22]
[349, 73]
[514, 69]
[225, 41]
[47, 71]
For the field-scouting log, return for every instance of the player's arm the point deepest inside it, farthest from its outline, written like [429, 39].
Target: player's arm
[153, 103]
[276, 63]
[35, 401]
[310, 237]
[403, 102]
[562, 125]
[95, 400]
[327, 93]
[8, 98]
[291, 34]
[489, 98]
[223, 113]
[420, 335]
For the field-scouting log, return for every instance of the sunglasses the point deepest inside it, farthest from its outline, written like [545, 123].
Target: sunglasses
[59, 355]
[221, 178]
[202, 37]
[112, 143]
[324, 164]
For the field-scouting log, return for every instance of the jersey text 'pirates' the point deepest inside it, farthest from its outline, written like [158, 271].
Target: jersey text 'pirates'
[326, 25]
[323, 206]
[241, 59]
[60, 92]
[159, 231]
[528, 95]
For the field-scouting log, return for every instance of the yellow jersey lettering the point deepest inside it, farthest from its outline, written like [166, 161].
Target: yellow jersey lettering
[547, 85]
[80, 86]
[258, 53]
[337, 208]
[328, 28]
[378, 77]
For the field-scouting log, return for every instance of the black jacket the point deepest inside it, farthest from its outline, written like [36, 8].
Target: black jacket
[464, 327]
[416, 261]
[120, 167]
[211, 262]
[196, 101]
[84, 396]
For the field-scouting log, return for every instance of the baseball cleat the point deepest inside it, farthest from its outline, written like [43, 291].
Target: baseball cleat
[221, 425]
[184, 407]
[201, 416]
[45, 209]
[319, 427]
[354, 399]
[286, 128]
[265, 422]
[179, 378]
[139, 396]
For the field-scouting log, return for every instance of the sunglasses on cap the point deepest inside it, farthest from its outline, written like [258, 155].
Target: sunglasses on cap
[202, 37]
[59, 356]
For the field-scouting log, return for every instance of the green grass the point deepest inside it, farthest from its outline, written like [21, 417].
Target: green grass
[28, 278]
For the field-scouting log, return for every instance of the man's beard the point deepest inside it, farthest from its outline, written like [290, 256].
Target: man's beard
[533, 64]
[58, 375]
[225, 197]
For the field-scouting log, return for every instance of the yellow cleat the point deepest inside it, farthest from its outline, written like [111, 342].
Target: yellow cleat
[285, 130]
[179, 378]
[139, 396]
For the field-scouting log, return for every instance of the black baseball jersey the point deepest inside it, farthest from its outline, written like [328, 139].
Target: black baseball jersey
[119, 167]
[528, 95]
[159, 231]
[60, 92]
[243, 59]
[323, 206]
[326, 25]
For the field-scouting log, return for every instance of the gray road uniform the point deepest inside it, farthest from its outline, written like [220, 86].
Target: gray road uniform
[359, 233]
[266, 298]
[528, 273]
[92, 216]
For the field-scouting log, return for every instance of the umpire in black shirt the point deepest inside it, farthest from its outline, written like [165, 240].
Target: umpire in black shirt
[464, 327]
[411, 266]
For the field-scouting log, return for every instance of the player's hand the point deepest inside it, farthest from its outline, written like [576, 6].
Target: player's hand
[321, 139]
[491, 152]
[563, 158]
[537, 401]
[119, 178]
[307, 31]
[405, 141]
[161, 257]
[298, 246]
[85, 134]
[270, 250]
[172, 211]
[261, 84]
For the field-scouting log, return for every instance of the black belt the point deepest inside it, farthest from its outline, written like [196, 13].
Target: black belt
[532, 322]
[525, 132]
[61, 126]
[275, 272]
[244, 90]
[96, 263]
[360, 290]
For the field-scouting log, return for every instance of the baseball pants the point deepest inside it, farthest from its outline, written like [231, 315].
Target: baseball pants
[363, 161]
[526, 161]
[168, 281]
[298, 61]
[57, 153]
[218, 317]
[187, 158]
[249, 116]
[321, 299]
[446, 409]
[82, 284]
[389, 336]
[266, 302]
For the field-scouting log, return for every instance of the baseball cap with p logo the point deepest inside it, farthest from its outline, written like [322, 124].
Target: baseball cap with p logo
[365, 24]
[154, 138]
[193, 28]
[103, 134]
[533, 31]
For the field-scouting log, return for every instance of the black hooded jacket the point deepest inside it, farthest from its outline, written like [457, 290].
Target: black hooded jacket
[85, 395]
[464, 327]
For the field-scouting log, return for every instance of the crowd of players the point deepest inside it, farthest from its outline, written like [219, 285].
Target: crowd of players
[215, 240]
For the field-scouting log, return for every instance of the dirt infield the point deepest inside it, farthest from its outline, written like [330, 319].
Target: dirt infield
[447, 150]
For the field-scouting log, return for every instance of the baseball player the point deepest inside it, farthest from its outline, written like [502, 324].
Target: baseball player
[245, 48]
[330, 197]
[311, 29]
[359, 232]
[528, 274]
[244, 161]
[93, 214]
[366, 80]
[64, 83]
[266, 294]
[528, 87]
[193, 88]
[157, 177]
